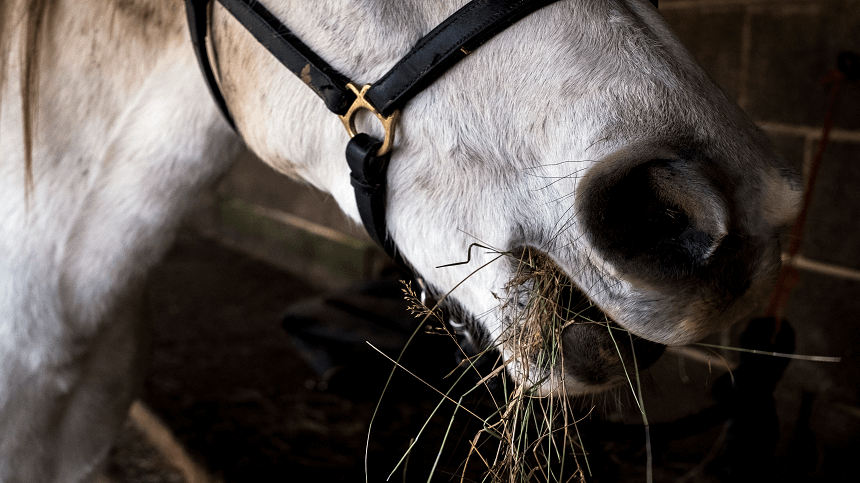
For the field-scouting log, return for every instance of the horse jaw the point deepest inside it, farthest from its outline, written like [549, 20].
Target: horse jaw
[511, 145]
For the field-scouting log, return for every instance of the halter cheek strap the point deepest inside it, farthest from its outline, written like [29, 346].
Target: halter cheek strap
[436, 52]
[325, 81]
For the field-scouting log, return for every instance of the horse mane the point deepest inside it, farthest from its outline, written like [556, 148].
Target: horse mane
[23, 19]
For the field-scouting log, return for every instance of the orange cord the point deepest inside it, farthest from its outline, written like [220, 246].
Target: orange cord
[789, 276]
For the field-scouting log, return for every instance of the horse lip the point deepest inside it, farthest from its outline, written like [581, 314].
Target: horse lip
[659, 312]
[667, 331]
[605, 316]
[594, 357]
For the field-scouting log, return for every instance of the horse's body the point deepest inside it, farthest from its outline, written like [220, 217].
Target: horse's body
[530, 141]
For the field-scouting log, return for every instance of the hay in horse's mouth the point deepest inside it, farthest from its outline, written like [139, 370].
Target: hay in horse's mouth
[557, 343]
[561, 337]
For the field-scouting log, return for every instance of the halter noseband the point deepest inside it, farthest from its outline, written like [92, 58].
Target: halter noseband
[448, 43]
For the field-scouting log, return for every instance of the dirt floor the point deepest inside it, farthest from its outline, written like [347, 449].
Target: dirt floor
[230, 384]
[249, 401]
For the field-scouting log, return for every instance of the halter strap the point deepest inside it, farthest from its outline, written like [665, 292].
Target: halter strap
[448, 43]
[198, 25]
[323, 79]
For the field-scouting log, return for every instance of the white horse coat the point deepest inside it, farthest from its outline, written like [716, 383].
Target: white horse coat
[529, 141]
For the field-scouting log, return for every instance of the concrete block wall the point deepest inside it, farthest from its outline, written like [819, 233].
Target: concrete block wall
[287, 223]
[770, 55]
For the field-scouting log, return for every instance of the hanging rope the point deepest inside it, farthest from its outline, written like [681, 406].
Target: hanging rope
[848, 66]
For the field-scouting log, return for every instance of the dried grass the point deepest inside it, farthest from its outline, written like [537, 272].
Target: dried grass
[534, 425]
[537, 436]
[539, 439]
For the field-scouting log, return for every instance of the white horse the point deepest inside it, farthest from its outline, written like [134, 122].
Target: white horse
[584, 130]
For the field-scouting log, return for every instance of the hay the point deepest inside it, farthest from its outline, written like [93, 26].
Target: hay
[534, 424]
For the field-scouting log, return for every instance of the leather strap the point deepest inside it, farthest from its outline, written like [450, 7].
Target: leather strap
[451, 41]
[198, 24]
[369, 179]
[444, 46]
[323, 79]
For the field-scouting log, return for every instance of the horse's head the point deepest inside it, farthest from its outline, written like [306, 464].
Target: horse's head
[583, 132]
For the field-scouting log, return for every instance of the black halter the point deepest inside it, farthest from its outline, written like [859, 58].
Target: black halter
[448, 43]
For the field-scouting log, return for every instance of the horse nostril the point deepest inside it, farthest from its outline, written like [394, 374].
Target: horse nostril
[659, 216]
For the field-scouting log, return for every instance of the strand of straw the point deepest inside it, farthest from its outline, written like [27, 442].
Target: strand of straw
[799, 357]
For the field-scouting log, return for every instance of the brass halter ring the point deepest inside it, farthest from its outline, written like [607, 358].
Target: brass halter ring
[388, 123]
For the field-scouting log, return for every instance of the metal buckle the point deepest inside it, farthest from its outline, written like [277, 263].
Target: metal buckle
[388, 123]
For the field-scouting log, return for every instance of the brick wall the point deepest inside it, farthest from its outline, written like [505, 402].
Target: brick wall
[770, 55]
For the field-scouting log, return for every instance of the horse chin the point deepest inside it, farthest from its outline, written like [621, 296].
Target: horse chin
[594, 359]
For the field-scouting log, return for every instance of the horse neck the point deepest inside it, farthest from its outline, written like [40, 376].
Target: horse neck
[124, 136]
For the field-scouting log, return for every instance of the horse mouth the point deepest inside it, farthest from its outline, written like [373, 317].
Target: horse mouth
[562, 341]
